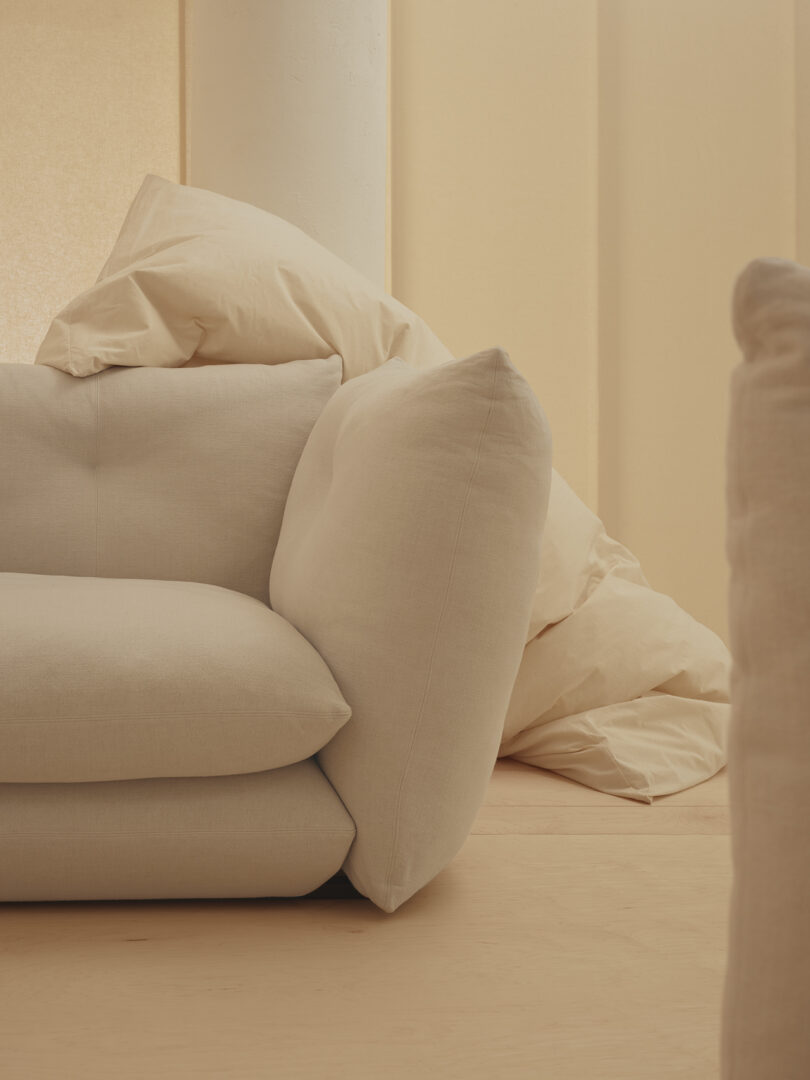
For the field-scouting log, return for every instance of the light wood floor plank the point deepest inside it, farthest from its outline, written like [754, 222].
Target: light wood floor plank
[610, 820]
[534, 956]
[514, 783]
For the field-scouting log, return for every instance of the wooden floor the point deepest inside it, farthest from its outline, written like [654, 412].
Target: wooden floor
[577, 936]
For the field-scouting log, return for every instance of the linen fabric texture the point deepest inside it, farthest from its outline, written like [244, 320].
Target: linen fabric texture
[620, 689]
[767, 987]
[408, 557]
[195, 277]
[117, 679]
[144, 473]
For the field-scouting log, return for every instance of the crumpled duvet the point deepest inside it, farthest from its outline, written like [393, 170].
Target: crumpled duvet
[619, 688]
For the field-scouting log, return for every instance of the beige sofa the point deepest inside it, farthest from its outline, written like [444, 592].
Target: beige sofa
[256, 626]
[619, 687]
[766, 1015]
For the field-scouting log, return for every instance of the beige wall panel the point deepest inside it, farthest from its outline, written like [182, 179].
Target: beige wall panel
[696, 177]
[493, 186]
[581, 183]
[90, 101]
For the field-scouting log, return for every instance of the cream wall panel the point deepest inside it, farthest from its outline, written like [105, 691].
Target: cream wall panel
[696, 178]
[90, 100]
[493, 186]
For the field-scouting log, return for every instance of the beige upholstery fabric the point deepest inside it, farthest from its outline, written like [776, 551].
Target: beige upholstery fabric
[111, 679]
[619, 688]
[767, 992]
[194, 273]
[278, 833]
[408, 556]
[176, 475]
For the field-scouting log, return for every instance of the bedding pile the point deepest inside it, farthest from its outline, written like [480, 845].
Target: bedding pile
[619, 688]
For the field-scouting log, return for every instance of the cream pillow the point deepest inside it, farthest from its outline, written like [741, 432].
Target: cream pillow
[408, 556]
[196, 274]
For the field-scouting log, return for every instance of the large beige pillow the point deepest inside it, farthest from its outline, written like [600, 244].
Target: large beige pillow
[408, 556]
[118, 679]
[196, 274]
[767, 988]
[619, 687]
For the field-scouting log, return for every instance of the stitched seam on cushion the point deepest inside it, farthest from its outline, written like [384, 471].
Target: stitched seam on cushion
[439, 620]
[139, 717]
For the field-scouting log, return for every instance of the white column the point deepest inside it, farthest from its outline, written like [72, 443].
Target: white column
[286, 108]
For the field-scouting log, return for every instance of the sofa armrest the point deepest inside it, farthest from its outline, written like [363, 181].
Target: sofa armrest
[408, 556]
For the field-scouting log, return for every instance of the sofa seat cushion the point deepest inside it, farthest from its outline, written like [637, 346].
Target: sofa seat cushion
[278, 833]
[120, 679]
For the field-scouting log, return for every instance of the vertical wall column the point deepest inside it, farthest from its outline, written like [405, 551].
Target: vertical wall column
[286, 108]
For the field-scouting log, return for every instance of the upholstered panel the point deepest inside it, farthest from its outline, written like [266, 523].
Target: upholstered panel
[152, 473]
[278, 833]
[767, 989]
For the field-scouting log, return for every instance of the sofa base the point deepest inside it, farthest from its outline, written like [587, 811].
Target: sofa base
[277, 833]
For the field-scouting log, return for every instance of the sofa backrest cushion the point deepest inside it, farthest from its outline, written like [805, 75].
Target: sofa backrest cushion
[153, 473]
[408, 557]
